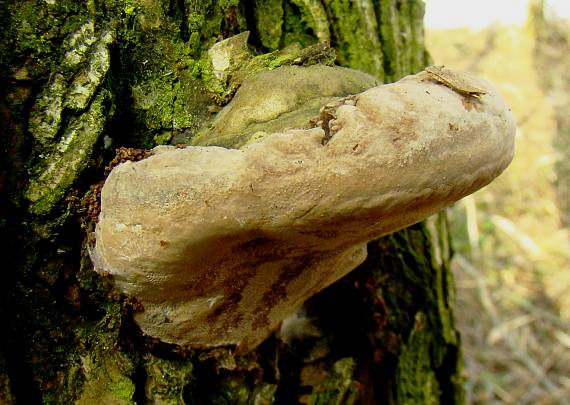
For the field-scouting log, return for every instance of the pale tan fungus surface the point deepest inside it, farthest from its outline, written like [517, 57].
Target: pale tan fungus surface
[220, 245]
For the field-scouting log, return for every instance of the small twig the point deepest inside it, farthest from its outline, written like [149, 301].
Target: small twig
[499, 332]
[541, 313]
[527, 244]
[563, 338]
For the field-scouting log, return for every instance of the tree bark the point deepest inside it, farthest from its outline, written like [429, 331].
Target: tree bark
[82, 78]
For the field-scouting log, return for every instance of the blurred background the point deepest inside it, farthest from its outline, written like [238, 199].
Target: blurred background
[512, 239]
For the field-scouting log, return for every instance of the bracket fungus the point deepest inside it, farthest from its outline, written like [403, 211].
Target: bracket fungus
[220, 245]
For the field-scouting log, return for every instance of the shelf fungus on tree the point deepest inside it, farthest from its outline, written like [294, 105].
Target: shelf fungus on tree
[220, 245]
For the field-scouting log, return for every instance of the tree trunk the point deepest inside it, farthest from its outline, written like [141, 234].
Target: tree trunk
[83, 78]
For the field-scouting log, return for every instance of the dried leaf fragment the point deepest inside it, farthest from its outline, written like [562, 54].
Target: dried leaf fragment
[456, 81]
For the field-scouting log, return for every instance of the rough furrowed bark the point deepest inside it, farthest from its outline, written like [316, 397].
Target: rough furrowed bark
[83, 78]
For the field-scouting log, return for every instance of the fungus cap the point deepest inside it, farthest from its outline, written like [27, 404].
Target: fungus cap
[220, 245]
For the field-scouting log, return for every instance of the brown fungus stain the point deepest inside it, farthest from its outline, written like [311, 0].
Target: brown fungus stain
[278, 292]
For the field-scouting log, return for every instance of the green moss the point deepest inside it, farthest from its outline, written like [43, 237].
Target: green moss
[263, 394]
[390, 36]
[355, 35]
[166, 380]
[122, 389]
[296, 27]
[204, 21]
[293, 55]
[153, 102]
[412, 50]
[232, 390]
[106, 380]
[61, 346]
[417, 383]
[164, 49]
[163, 138]
[167, 106]
[402, 36]
[31, 31]
[339, 387]
[314, 17]
[268, 18]
[418, 55]
[31, 20]
[414, 287]
[106, 373]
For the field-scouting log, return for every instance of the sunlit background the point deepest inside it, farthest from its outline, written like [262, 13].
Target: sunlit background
[445, 14]
[512, 239]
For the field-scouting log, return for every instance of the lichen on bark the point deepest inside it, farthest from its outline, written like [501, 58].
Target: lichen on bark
[71, 98]
[58, 168]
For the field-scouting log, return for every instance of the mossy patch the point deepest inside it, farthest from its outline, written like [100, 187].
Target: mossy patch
[297, 26]
[355, 35]
[107, 380]
[163, 138]
[153, 102]
[413, 294]
[339, 386]
[164, 68]
[31, 31]
[232, 390]
[166, 380]
[269, 18]
[402, 37]
[312, 14]
[417, 383]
